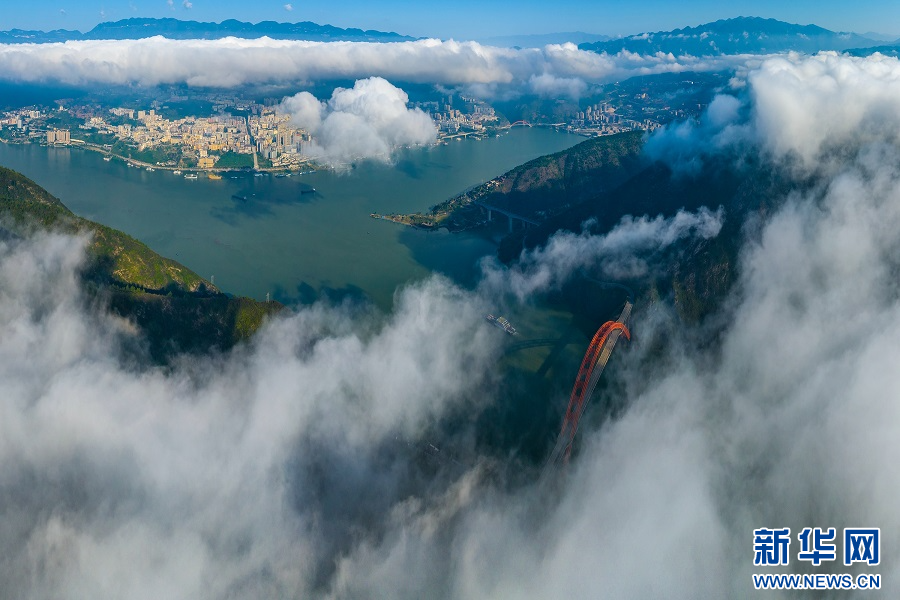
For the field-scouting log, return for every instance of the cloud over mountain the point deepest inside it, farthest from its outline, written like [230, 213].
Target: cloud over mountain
[217, 479]
[283, 469]
[621, 253]
[782, 421]
[798, 108]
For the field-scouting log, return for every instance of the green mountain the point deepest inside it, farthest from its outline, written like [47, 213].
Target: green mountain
[741, 35]
[604, 179]
[695, 273]
[544, 186]
[892, 49]
[178, 310]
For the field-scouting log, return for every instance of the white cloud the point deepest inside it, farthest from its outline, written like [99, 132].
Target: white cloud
[211, 480]
[369, 120]
[262, 470]
[782, 420]
[798, 108]
[805, 106]
[547, 85]
[187, 4]
[289, 7]
[232, 62]
[267, 472]
[620, 253]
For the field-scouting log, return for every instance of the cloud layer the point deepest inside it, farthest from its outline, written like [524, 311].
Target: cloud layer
[622, 253]
[220, 479]
[369, 120]
[283, 469]
[797, 108]
[780, 423]
[556, 68]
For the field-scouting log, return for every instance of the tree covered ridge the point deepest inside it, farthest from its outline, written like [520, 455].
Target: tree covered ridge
[176, 309]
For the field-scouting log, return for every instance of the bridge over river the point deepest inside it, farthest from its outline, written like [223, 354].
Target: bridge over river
[491, 209]
[592, 366]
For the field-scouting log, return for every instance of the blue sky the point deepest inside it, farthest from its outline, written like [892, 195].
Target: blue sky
[462, 19]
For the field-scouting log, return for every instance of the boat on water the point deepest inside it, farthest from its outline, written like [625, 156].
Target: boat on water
[150, 169]
[191, 176]
[107, 158]
[176, 172]
[501, 323]
[214, 176]
[308, 191]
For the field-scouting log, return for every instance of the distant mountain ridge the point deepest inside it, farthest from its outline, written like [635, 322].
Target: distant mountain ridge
[889, 50]
[137, 28]
[741, 35]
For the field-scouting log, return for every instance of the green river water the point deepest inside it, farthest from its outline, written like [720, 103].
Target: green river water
[283, 242]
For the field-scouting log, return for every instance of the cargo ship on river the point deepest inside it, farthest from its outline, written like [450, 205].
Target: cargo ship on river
[501, 323]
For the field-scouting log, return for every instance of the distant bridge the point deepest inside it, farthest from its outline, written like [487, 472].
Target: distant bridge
[491, 209]
[520, 123]
[461, 134]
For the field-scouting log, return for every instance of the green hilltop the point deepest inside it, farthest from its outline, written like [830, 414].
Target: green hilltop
[542, 187]
[178, 310]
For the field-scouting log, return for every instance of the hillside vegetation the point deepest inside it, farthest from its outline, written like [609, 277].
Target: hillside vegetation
[545, 186]
[177, 309]
[695, 273]
[604, 179]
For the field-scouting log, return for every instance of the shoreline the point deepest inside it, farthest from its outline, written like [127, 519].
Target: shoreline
[75, 143]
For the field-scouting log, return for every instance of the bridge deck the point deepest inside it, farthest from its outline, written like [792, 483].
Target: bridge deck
[505, 212]
[564, 440]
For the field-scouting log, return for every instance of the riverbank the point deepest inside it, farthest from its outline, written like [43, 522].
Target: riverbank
[306, 167]
[294, 246]
[403, 220]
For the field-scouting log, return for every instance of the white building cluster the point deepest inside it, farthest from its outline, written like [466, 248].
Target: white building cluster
[277, 140]
[202, 134]
[20, 119]
[601, 119]
[476, 116]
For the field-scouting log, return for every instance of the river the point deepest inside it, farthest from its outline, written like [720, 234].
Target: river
[292, 245]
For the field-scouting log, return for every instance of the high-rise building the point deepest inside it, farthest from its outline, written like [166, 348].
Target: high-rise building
[58, 136]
